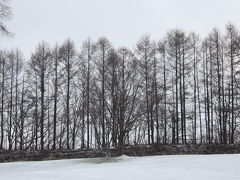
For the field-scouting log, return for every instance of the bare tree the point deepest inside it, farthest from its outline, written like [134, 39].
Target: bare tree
[5, 14]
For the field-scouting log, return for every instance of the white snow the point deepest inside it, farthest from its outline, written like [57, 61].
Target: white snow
[177, 167]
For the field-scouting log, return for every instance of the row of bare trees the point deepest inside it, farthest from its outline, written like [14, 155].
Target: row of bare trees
[179, 90]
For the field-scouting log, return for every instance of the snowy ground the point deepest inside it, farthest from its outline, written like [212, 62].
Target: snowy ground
[181, 167]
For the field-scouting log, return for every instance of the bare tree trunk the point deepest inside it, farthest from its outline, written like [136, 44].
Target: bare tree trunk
[88, 95]
[2, 108]
[11, 102]
[195, 96]
[55, 98]
[68, 99]
[103, 97]
[176, 91]
[42, 99]
[156, 95]
[22, 116]
[165, 97]
[16, 98]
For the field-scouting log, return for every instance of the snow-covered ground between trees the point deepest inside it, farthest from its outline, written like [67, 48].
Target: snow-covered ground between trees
[174, 167]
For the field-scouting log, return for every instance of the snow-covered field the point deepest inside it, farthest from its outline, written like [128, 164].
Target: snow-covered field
[179, 167]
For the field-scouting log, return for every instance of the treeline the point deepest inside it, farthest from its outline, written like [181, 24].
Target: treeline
[179, 90]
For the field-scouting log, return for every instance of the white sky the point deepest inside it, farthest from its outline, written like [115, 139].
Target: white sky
[121, 21]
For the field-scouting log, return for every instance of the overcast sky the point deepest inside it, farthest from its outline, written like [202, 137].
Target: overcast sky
[121, 21]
